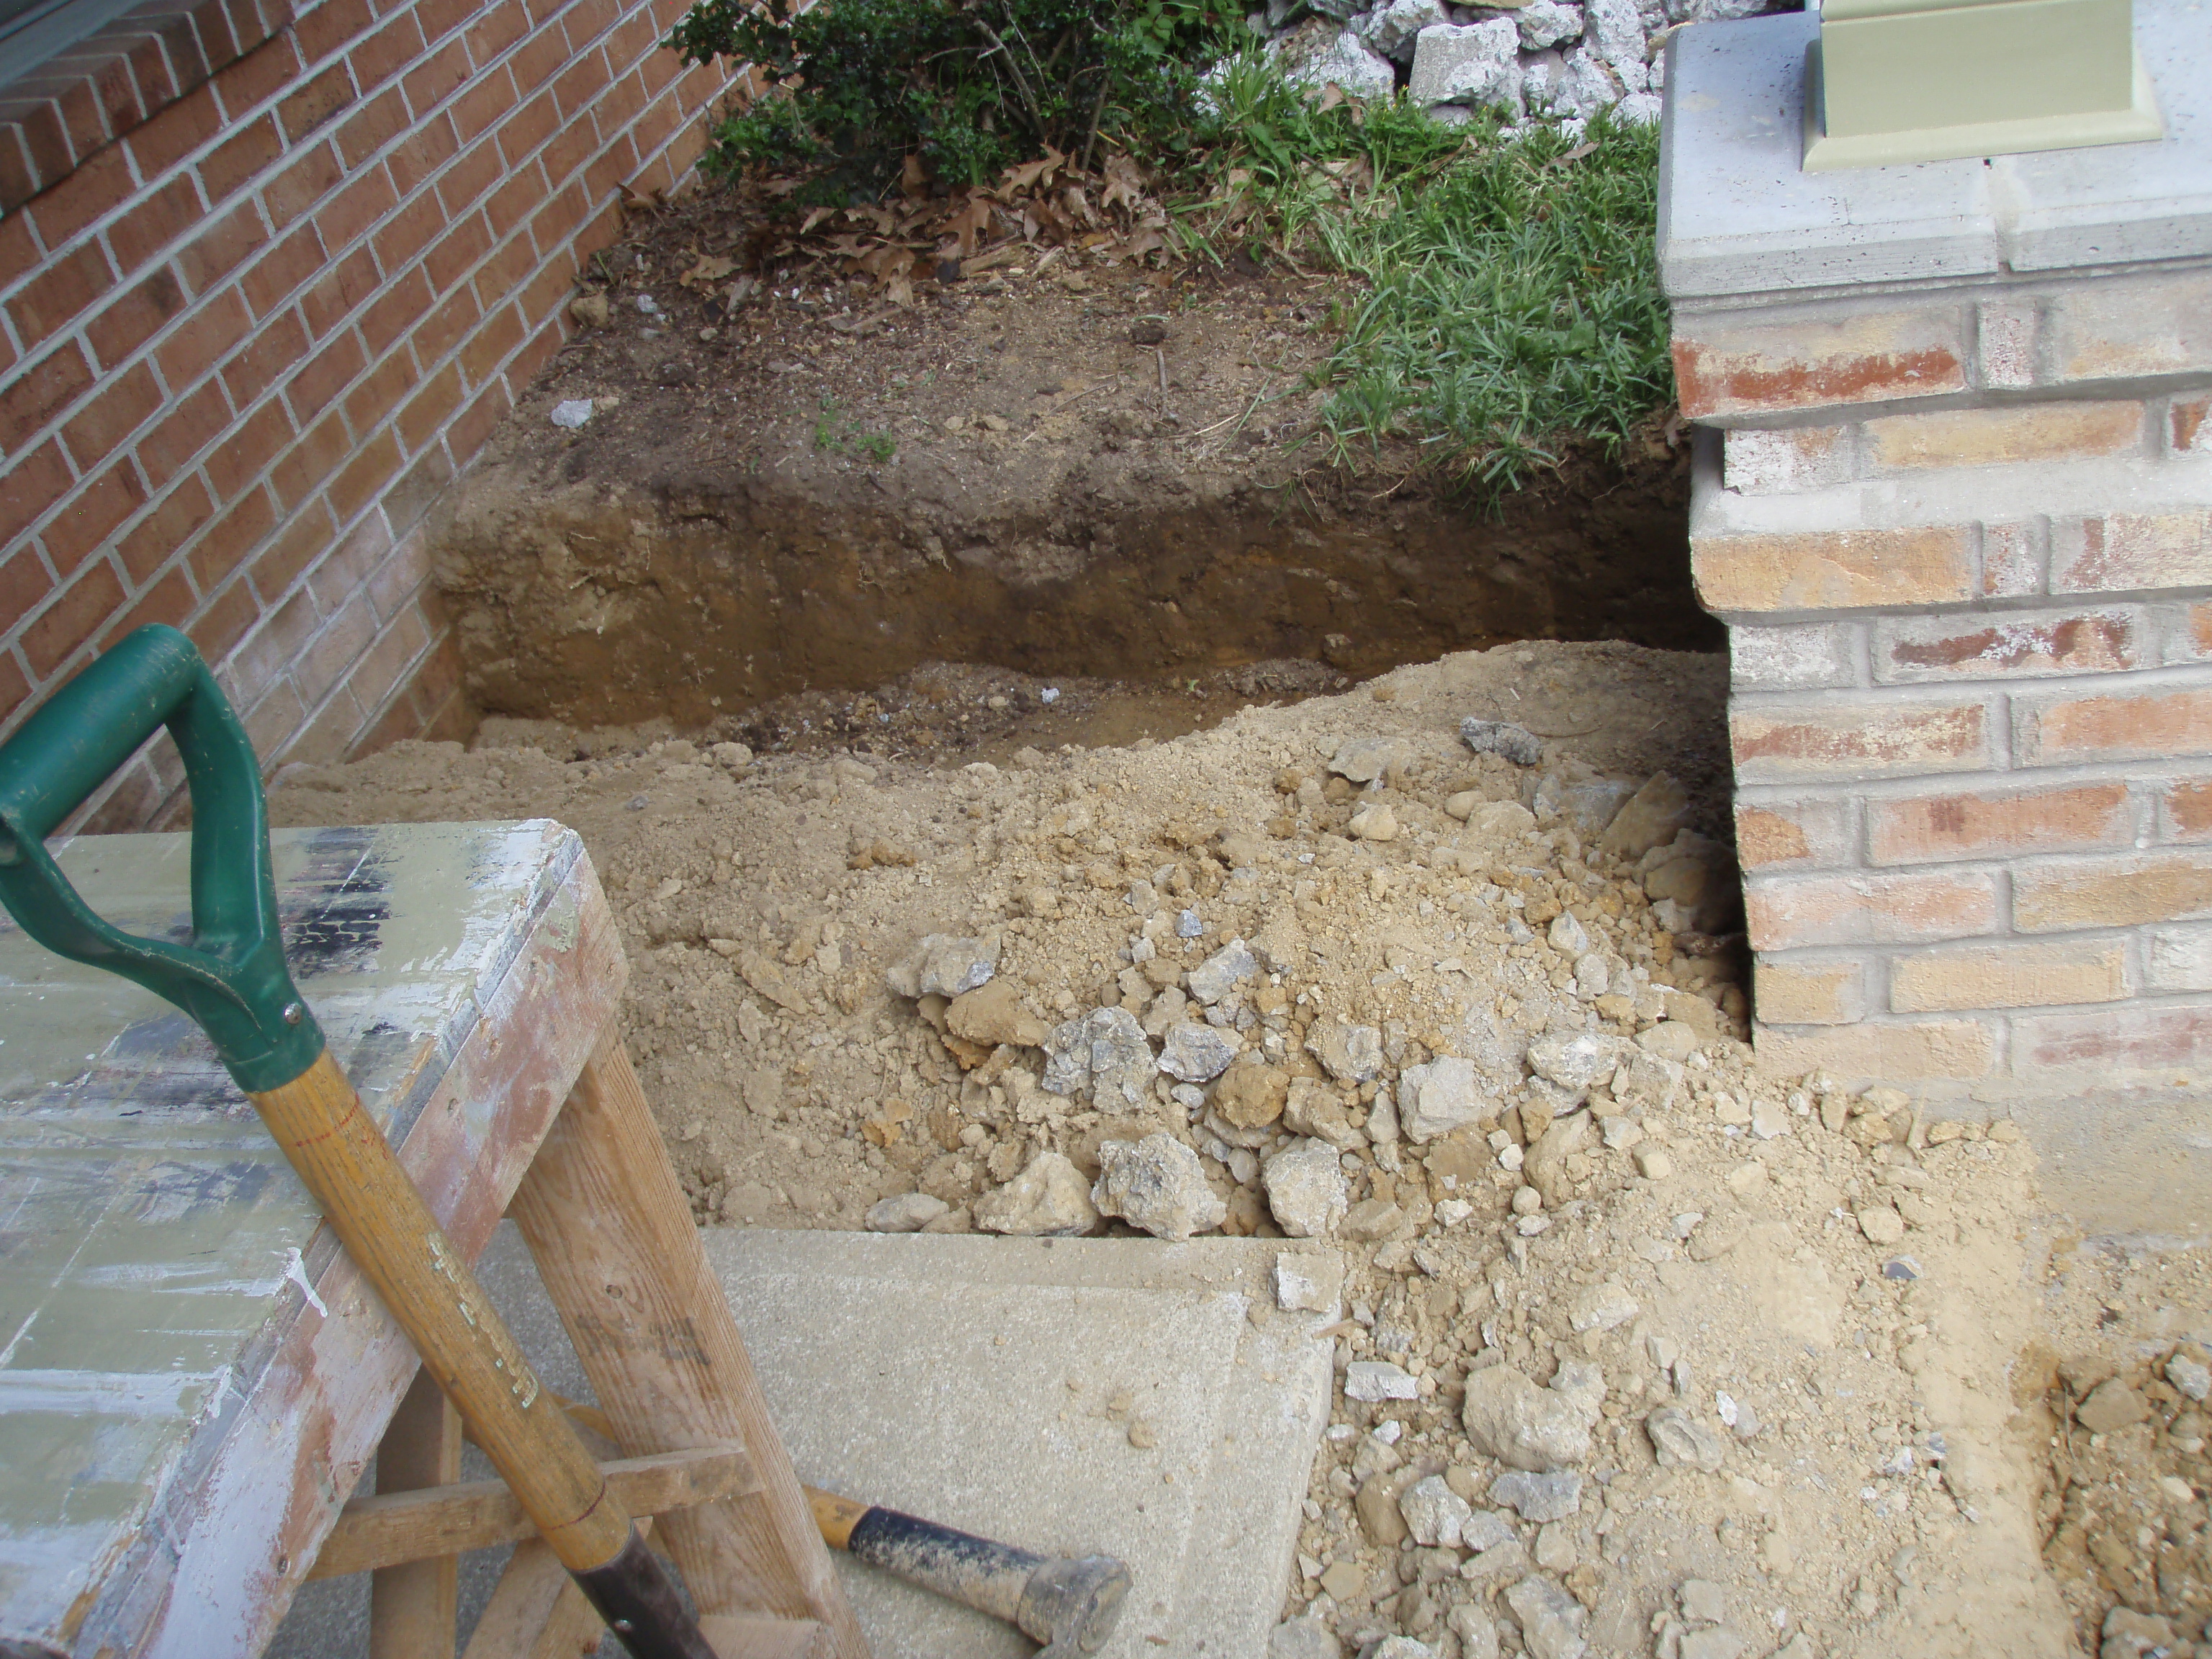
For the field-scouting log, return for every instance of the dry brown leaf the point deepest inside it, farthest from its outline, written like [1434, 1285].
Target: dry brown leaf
[709, 269]
[1331, 96]
[814, 216]
[899, 290]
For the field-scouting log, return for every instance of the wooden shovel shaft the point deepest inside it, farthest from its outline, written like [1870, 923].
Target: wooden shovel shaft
[380, 1218]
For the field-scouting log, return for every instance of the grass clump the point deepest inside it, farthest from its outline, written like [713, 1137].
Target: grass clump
[965, 87]
[1508, 299]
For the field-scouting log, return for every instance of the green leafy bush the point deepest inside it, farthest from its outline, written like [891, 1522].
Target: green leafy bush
[969, 87]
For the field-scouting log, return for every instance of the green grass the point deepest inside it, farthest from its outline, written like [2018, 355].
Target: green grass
[840, 436]
[1507, 303]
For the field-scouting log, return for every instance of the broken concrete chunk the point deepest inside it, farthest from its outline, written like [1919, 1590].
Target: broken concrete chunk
[1312, 1107]
[1305, 1637]
[943, 964]
[1372, 1381]
[1157, 1185]
[1551, 1620]
[908, 1212]
[1048, 1198]
[1602, 1307]
[1437, 1098]
[1677, 1437]
[1350, 1054]
[1311, 1282]
[1219, 973]
[1433, 1512]
[1104, 1055]
[1539, 1497]
[1577, 1063]
[1502, 738]
[1306, 1188]
[1196, 1054]
[992, 1014]
[1651, 818]
[1363, 760]
[1524, 1426]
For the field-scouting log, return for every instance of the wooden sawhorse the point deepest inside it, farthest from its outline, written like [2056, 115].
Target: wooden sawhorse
[193, 1375]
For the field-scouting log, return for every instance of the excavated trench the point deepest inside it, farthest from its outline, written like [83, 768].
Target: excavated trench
[687, 600]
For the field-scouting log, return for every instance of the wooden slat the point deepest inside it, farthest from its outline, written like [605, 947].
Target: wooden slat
[412, 1607]
[620, 1258]
[392, 1527]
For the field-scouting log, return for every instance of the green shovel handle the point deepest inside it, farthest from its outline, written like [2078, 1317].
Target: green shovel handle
[231, 979]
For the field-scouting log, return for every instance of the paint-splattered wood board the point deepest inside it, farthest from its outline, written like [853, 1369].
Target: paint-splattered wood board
[192, 1374]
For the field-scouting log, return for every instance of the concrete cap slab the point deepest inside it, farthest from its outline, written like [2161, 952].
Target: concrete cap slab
[1738, 217]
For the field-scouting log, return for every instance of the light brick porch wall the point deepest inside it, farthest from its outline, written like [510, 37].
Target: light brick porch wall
[1959, 526]
[269, 274]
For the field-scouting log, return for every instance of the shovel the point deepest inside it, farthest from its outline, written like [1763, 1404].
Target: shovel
[231, 979]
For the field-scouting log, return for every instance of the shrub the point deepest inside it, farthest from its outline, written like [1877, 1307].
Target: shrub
[968, 87]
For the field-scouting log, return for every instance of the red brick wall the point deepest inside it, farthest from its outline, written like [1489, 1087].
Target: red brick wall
[1962, 541]
[260, 303]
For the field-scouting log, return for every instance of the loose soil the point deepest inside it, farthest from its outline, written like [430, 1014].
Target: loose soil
[1063, 468]
[1862, 1290]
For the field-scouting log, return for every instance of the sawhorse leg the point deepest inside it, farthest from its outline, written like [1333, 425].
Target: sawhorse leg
[412, 1608]
[621, 1258]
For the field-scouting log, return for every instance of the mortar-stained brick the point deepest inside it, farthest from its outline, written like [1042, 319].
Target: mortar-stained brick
[2112, 329]
[1869, 740]
[2111, 1043]
[1799, 657]
[1834, 570]
[1992, 437]
[2181, 959]
[1875, 357]
[2012, 563]
[2006, 643]
[2188, 811]
[2124, 892]
[2013, 974]
[1785, 913]
[1867, 1052]
[2147, 726]
[2005, 342]
[2085, 818]
[1802, 834]
[2125, 550]
[1809, 994]
[2186, 427]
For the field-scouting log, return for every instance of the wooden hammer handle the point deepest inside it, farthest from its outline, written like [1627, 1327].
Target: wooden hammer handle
[389, 1231]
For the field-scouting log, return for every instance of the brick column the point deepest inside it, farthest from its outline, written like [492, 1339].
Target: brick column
[1955, 502]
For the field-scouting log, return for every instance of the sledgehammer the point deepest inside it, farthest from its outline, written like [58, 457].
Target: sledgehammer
[1069, 1604]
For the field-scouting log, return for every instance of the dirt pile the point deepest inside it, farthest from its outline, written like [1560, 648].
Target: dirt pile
[1643, 1352]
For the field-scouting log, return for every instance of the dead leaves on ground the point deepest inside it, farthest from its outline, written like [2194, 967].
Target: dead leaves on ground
[1038, 209]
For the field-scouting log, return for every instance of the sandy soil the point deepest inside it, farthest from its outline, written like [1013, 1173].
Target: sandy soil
[1908, 1354]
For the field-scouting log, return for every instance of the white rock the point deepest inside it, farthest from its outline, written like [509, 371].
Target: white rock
[1704, 1602]
[1434, 1513]
[1400, 1647]
[1653, 816]
[1612, 29]
[1196, 1054]
[1438, 1097]
[1582, 1385]
[908, 1212]
[1721, 1642]
[945, 965]
[1377, 820]
[1476, 64]
[1567, 935]
[1376, 1380]
[1551, 1620]
[1510, 1419]
[1548, 23]
[1049, 1197]
[1501, 820]
[1769, 1118]
[1485, 1530]
[1540, 1497]
[1583, 86]
[1349, 65]
[2191, 1376]
[1306, 1189]
[1220, 973]
[1672, 1040]
[1643, 109]
[1602, 1307]
[1103, 1054]
[1577, 1063]
[1158, 1185]
[1311, 1283]
[1390, 30]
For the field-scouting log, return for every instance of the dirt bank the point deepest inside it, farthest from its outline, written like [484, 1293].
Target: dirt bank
[1084, 471]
